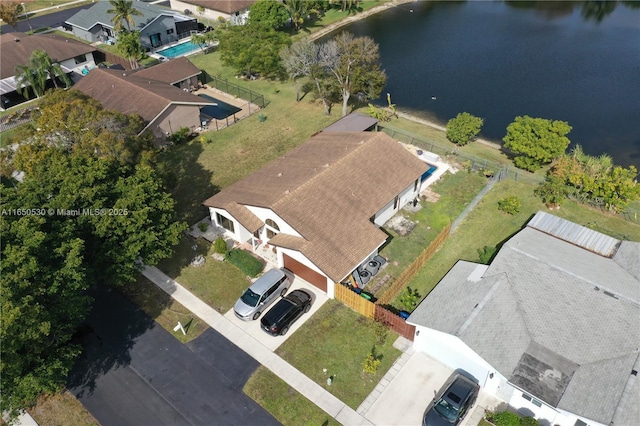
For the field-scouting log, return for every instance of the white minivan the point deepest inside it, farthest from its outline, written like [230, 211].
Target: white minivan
[262, 293]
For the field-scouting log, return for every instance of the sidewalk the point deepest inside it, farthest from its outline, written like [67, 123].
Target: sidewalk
[294, 378]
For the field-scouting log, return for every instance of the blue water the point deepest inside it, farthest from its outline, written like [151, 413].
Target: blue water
[220, 112]
[497, 60]
[178, 50]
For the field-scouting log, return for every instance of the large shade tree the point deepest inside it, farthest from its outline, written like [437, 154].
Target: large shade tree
[536, 141]
[37, 72]
[271, 13]
[352, 64]
[10, 12]
[298, 60]
[463, 128]
[252, 48]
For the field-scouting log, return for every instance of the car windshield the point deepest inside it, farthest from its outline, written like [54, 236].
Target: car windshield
[250, 298]
[446, 410]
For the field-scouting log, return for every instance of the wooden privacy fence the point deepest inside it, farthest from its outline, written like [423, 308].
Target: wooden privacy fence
[355, 301]
[394, 322]
[401, 282]
[375, 312]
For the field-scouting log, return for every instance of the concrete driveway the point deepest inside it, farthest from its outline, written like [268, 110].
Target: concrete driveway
[133, 372]
[273, 342]
[406, 397]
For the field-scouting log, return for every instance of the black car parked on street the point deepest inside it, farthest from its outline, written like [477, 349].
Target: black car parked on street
[284, 313]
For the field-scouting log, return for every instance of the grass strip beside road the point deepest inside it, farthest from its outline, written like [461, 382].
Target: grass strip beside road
[284, 403]
[339, 339]
[61, 409]
[164, 309]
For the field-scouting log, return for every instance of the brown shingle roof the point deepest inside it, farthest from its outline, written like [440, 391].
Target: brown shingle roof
[17, 47]
[131, 94]
[328, 189]
[173, 71]
[226, 6]
[250, 221]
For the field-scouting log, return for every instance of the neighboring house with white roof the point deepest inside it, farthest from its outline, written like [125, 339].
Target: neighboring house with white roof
[158, 26]
[551, 326]
[234, 11]
[321, 205]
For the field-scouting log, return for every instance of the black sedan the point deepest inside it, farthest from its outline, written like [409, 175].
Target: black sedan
[452, 403]
[284, 313]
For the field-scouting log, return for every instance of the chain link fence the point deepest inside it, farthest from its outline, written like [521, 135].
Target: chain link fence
[234, 90]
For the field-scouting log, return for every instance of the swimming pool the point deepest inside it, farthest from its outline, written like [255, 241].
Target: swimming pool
[220, 112]
[178, 50]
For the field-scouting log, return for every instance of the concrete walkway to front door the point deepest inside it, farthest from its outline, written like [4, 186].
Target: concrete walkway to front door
[294, 378]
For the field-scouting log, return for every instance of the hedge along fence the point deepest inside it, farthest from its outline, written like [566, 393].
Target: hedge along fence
[399, 284]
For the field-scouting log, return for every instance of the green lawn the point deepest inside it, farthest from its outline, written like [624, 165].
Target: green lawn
[487, 226]
[456, 191]
[339, 339]
[284, 403]
[218, 159]
[218, 284]
[164, 310]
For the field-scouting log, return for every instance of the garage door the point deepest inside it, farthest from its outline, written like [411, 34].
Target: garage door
[305, 273]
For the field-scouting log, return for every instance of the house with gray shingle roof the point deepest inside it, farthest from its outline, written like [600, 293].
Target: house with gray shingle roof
[551, 326]
[321, 205]
[158, 26]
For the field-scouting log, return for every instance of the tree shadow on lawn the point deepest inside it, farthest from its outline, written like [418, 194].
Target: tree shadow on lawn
[107, 337]
[190, 183]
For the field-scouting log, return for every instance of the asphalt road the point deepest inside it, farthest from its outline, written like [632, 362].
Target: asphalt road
[133, 372]
[51, 20]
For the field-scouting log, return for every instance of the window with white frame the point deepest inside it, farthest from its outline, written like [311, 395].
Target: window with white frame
[225, 222]
[272, 228]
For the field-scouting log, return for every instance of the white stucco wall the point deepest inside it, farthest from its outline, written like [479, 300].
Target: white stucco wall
[210, 14]
[294, 254]
[77, 67]
[454, 353]
[408, 194]
[263, 214]
[240, 234]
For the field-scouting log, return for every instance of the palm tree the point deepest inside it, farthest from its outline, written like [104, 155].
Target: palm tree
[298, 11]
[35, 75]
[123, 11]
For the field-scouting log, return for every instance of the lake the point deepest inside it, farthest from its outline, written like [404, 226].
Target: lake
[497, 60]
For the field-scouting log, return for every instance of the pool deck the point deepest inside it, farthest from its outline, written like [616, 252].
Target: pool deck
[246, 108]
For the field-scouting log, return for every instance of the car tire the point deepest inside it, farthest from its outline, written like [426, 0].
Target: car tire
[283, 292]
[256, 315]
[284, 331]
[307, 308]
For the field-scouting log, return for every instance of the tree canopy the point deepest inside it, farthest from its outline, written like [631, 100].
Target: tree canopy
[90, 211]
[536, 141]
[463, 128]
[352, 67]
[37, 72]
[10, 12]
[593, 179]
[252, 48]
[271, 13]
[129, 44]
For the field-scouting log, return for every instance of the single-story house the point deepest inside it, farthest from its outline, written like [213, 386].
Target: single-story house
[321, 205]
[158, 26]
[234, 11]
[354, 122]
[551, 327]
[72, 55]
[178, 72]
[164, 108]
